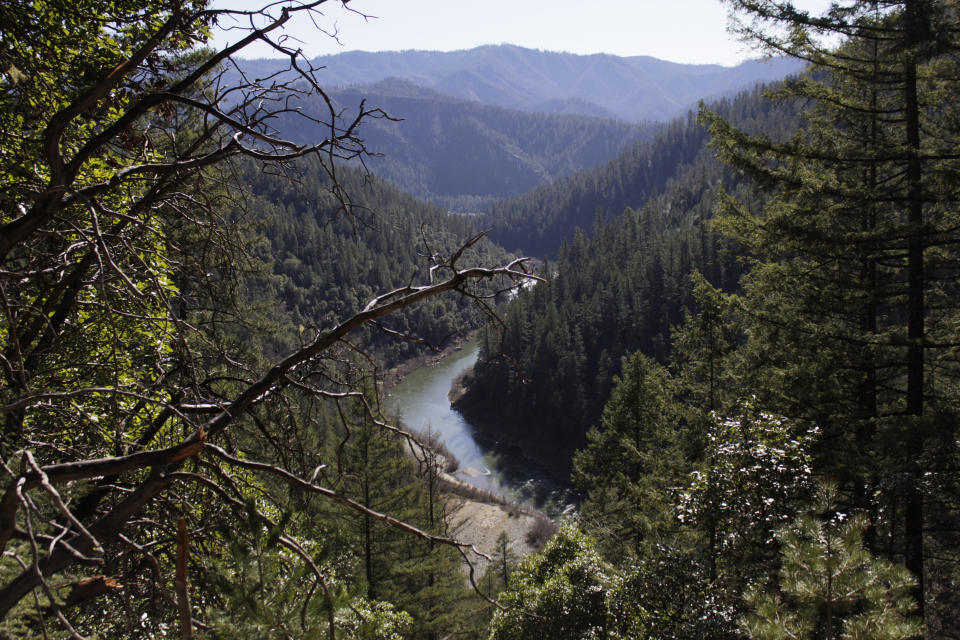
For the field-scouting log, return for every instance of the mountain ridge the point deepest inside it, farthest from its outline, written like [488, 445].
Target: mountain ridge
[634, 89]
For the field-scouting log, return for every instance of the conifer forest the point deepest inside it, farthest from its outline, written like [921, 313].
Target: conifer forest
[728, 331]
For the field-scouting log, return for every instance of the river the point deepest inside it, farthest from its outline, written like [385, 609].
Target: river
[420, 400]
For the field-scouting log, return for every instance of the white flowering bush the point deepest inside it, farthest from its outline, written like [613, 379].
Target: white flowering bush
[669, 596]
[756, 476]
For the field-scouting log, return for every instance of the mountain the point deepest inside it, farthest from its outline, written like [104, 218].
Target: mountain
[634, 89]
[468, 128]
[463, 155]
[322, 265]
[538, 221]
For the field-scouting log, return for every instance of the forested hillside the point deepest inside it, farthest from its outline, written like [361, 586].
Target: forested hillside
[742, 346]
[538, 221]
[193, 309]
[321, 265]
[464, 155]
[777, 454]
[637, 228]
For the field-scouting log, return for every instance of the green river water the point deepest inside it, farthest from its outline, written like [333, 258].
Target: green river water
[420, 400]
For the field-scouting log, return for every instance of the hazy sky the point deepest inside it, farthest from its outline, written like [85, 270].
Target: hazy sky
[690, 31]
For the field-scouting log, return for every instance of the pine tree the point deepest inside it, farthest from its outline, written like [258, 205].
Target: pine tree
[831, 587]
[421, 578]
[701, 353]
[630, 462]
[374, 471]
[504, 562]
[700, 345]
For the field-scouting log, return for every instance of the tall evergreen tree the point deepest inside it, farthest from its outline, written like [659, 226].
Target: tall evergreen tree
[850, 316]
[375, 472]
[630, 462]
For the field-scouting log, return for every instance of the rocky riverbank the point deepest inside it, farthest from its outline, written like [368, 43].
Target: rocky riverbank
[476, 511]
[479, 517]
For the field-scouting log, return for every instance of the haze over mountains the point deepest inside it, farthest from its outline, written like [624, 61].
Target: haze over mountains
[497, 121]
[634, 89]
[464, 155]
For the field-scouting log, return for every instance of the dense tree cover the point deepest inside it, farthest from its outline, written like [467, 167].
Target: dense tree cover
[860, 235]
[631, 462]
[422, 580]
[319, 267]
[539, 221]
[164, 472]
[464, 155]
[562, 592]
[736, 561]
[622, 288]
[166, 463]
[842, 333]
[755, 473]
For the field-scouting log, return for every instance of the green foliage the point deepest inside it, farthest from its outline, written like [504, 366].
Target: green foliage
[271, 597]
[569, 335]
[365, 620]
[323, 266]
[675, 172]
[756, 474]
[138, 306]
[702, 346]
[621, 290]
[630, 463]
[497, 576]
[422, 579]
[558, 594]
[264, 589]
[830, 586]
[144, 313]
[848, 317]
[669, 595]
[51, 54]
[568, 592]
[540, 220]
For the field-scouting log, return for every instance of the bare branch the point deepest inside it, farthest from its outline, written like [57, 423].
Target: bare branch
[333, 495]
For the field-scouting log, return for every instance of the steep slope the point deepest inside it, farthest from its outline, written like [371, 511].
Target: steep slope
[321, 265]
[621, 289]
[537, 222]
[463, 155]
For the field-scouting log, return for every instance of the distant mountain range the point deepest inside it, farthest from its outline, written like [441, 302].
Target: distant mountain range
[633, 89]
[497, 121]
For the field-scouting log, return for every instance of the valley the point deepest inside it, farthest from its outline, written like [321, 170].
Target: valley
[496, 343]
